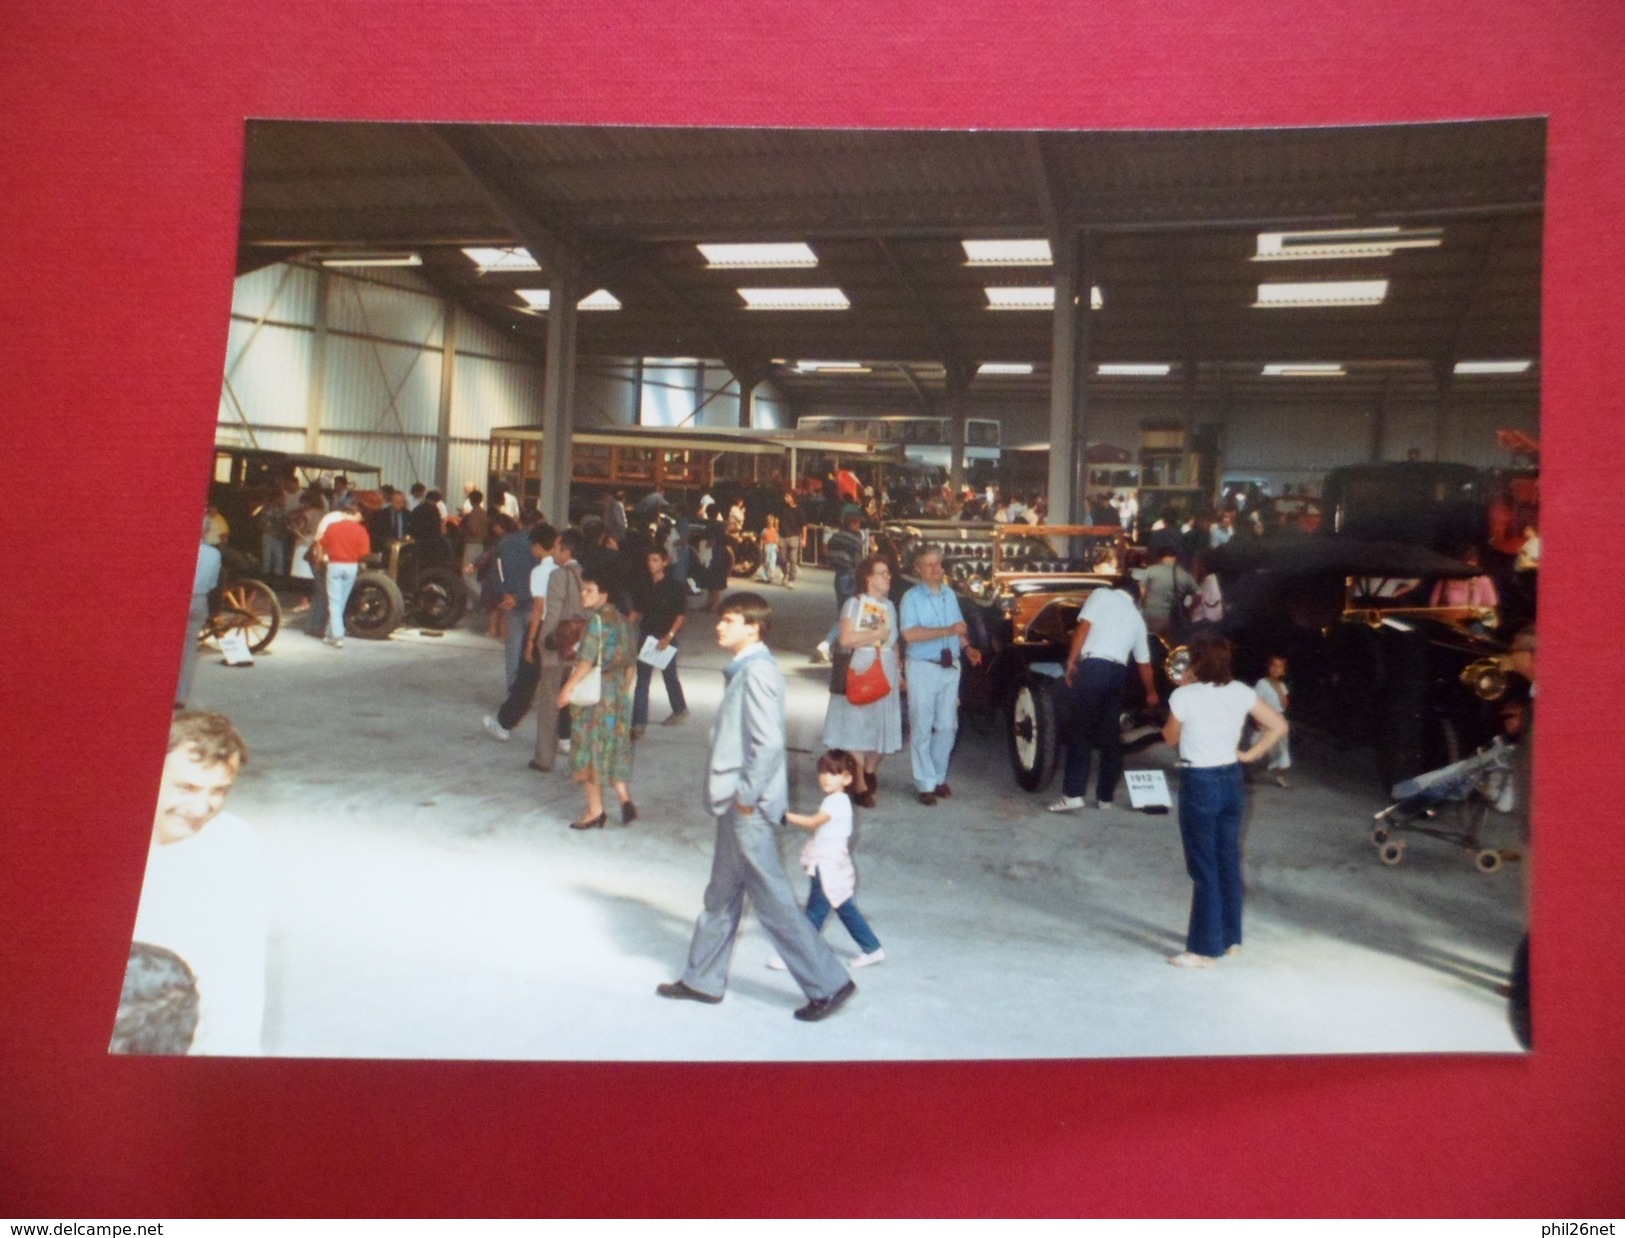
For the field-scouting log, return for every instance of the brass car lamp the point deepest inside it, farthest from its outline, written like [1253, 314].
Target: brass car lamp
[1487, 678]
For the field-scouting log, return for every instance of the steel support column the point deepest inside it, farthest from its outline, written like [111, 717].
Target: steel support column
[316, 394]
[959, 379]
[558, 393]
[1069, 366]
[448, 376]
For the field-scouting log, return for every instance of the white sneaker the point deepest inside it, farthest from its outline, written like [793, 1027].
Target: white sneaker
[877, 955]
[775, 963]
[1067, 803]
[495, 729]
[820, 652]
[564, 745]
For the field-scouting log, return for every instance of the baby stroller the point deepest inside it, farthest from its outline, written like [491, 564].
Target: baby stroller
[1451, 803]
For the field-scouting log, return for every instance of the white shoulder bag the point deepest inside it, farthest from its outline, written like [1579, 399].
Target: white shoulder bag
[590, 689]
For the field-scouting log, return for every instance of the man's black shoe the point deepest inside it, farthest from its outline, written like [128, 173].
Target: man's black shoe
[681, 992]
[823, 1007]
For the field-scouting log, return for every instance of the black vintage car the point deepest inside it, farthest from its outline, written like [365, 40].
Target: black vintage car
[400, 582]
[1373, 661]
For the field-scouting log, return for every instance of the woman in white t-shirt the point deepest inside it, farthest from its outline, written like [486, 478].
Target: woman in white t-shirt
[1206, 716]
[827, 858]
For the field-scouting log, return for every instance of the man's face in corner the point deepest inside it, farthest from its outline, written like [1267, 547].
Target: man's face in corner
[189, 795]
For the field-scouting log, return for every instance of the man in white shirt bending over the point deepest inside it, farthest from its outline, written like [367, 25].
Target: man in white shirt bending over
[204, 897]
[1110, 631]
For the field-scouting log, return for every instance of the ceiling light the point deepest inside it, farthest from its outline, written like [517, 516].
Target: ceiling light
[1020, 298]
[512, 258]
[793, 254]
[1004, 367]
[539, 300]
[371, 260]
[1492, 367]
[812, 367]
[794, 299]
[1305, 369]
[1032, 298]
[1112, 369]
[1007, 253]
[671, 361]
[1344, 243]
[1322, 293]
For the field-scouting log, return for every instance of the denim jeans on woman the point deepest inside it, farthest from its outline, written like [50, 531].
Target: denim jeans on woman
[1211, 801]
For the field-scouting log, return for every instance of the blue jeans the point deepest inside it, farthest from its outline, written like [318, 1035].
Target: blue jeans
[1095, 706]
[1210, 809]
[340, 580]
[274, 555]
[818, 912]
[640, 694]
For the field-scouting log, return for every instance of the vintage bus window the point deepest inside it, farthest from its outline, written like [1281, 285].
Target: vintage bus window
[635, 464]
[982, 433]
[530, 459]
[504, 455]
[679, 467]
[592, 461]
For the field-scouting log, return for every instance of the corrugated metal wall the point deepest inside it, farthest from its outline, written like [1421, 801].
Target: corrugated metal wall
[380, 392]
[381, 388]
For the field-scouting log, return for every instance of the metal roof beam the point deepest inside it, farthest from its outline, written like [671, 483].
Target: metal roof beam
[952, 356]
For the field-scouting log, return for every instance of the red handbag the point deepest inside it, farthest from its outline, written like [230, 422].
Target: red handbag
[869, 685]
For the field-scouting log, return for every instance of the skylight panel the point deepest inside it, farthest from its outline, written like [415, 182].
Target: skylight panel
[371, 260]
[1344, 243]
[1004, 367]
[1032, 298]
[1134, 369]
[1492, 367]
[512, 258]
[1007, 253]
[1305, 369]
[794, 299]
[770, 254]
[539, 300]
[1322, 293]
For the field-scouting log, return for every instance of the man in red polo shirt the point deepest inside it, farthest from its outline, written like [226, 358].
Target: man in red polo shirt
[345, 543]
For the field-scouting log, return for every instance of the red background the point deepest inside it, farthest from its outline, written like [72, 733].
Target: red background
[119, 163]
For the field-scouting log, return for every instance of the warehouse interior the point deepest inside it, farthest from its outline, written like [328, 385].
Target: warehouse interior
[428, 900]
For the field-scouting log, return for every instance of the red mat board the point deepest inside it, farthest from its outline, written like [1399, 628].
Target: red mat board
[122, 145]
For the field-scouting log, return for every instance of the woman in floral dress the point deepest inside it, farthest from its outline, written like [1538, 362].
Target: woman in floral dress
[601, 734]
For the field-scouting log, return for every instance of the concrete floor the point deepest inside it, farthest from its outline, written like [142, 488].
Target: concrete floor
[428, 901]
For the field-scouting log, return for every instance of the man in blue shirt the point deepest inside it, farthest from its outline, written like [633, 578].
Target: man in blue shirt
[515, 559]
[938, 640]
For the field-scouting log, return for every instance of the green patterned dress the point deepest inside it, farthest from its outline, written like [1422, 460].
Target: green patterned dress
[601, 734]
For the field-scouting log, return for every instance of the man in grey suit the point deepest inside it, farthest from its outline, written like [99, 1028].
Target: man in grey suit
[747, 791]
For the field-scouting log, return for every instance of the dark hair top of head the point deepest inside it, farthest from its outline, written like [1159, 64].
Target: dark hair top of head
[752, 608]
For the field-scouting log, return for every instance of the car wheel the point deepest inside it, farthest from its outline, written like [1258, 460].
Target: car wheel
[1033, 734]
[441, 598]
[376, 607]
[250, 607]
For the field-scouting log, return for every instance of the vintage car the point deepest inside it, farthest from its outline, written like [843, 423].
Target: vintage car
[1371, 659]
[1020, 590]
[397, 584]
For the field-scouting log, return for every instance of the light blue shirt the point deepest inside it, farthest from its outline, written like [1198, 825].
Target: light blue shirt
[924, 607]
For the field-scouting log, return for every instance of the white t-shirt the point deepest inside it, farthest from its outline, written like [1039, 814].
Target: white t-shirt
[826, 851]
[539, 575]
[204, 898]
[1210, 721]
[1116, 628]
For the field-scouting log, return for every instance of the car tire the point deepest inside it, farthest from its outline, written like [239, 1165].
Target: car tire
[1033, 730]
[441, 598]
[376, 607]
